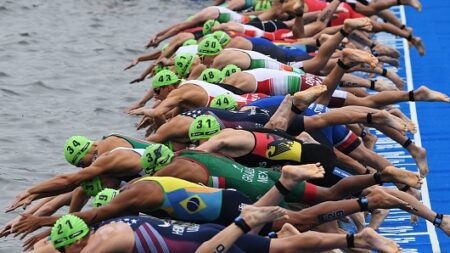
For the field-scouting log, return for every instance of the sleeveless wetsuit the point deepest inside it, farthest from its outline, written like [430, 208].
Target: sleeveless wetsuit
[141, 173]
[134, 142]
[214, 90]
[268, 26]
[254, 182]
[187, 201]
[154, 235]
[281, 54]
[279, 83]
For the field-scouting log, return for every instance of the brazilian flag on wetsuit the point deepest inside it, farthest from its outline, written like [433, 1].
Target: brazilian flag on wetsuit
[253, 181]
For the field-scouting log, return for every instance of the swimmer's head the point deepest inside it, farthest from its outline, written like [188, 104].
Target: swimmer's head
[164, 78]
[67, 230]
[211, 75]
[224, 101]
[156, 156]
[263, 5]
[75, 148]
[209, 47]
[92, 187]
[203, 128]
[183, 63]
[222, 37]
[230, 69]
[104, 197]
[190, 42]
[208, 25]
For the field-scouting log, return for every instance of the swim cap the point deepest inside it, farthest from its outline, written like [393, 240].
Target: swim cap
[159, 67]
[76, 148]
[224, 101]
[203, 127]
[222, 37]
[183, 63]
[263, 5]
[211, 75]
[92, 187]
[104, 197]
[209, 46]
[67, 230]
[164, 78]
[190, 42]
[155, 157]
[208, 25]
[230, 69]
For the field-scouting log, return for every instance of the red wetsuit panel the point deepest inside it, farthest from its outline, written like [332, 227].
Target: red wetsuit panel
[317, 5]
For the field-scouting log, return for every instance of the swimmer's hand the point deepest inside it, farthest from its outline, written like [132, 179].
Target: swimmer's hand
[27, 224]
[153, 42]
[133, 63]
[143, 111]
[6, 230]
[30, 242]
[22, 200]
[144, 122]
[133, 106]
[139, 79]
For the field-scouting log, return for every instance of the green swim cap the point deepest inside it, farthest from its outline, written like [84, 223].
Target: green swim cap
[164, 78]
[190, 42]
[222, 37]
[156, 156]
[159, 67]
[263, 5]
[92, 187]
[208, 25]
[75, 148]
[104, 197]
[224, 101]
[211, 75]
[209, 46]
[67, 230]
[203, 127]
[230, 69]
[183, 63]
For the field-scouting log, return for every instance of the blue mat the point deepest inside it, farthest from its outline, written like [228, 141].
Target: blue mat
[433, 123]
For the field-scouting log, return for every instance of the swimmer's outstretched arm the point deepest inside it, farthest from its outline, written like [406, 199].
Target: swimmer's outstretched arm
[146, 57]
[141, 102]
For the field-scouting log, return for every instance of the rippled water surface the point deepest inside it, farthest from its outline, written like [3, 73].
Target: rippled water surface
[61, 74]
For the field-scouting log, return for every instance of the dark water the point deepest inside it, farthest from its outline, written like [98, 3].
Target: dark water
[61, 74]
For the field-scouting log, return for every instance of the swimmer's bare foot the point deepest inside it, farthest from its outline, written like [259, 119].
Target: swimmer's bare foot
[383, 50]
[368, 238]
[255, 216]
[382, 84]
[385, 118]
[305, 137]
[303, 99]
[369, 140]
[357, 23]
[420, 156]
[396, 79]
[413, 3]
[423, 93]
[394, 175]
[324, 37]
[279, 119]
[380, 199]
[291, 175]
[377, 217]
[359, 220]
[445, 225]
[294, 7]
[287, 230]
[352, 57]
[411, 126]
[418, 44]
[416, 194]
[389, 60]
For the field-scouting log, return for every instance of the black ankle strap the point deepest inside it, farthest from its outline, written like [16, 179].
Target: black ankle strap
[407, 143]
[372, 84]
[399, 2]
[283, 190]
[369, 118]
[350, 241]
[405, 188]
[384, 73]
[295, 110]
[363, 133]
[403, 26]
[411, 95]
[438, 220]
[373, 45]
[342, 65]
[363, 203]
[344, 33]
[377, 178]
[410, 37]
[242, 224]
